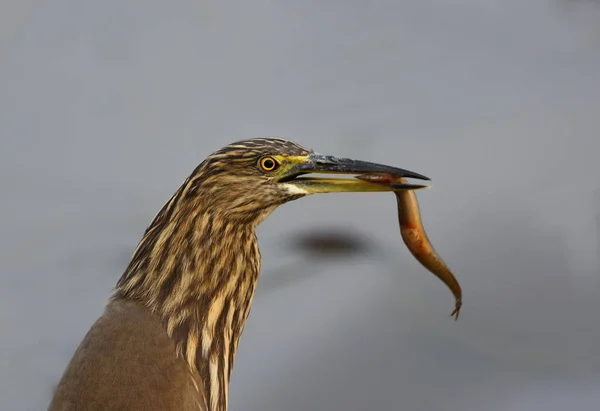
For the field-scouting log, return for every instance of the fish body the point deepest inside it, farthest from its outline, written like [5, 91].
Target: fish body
[414, 235]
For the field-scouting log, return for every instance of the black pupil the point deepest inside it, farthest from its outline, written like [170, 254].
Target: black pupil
[268, 163]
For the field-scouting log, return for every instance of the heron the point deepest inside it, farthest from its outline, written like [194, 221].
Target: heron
[168, 336]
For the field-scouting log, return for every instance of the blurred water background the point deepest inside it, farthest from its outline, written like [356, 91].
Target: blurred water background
[106, 107]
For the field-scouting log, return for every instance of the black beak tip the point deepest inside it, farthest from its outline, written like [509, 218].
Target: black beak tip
[412, 174]
[408, 186]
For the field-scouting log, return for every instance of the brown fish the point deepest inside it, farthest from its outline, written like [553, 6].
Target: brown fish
[414, 236]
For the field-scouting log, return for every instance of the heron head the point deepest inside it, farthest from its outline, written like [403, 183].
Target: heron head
[250, 178]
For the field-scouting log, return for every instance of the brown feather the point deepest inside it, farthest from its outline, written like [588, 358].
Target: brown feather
[168, 337]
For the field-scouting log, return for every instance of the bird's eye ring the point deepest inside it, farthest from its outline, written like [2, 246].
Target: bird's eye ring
[268, 163]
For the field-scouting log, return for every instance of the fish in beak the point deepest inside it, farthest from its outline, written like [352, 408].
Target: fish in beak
[414, 235]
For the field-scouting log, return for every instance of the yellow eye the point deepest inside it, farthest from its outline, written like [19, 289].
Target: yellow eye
[268, 163]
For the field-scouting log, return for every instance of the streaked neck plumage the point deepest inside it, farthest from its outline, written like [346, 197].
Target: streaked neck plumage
[196, 268]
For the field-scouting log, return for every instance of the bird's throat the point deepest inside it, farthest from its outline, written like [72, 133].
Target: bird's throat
[198, 273]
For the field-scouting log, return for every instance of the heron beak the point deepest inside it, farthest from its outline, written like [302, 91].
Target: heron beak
[324, 164]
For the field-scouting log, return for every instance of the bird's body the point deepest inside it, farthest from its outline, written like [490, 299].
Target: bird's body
[168, 337]
[127, 362]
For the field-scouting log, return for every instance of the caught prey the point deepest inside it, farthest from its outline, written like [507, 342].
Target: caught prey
[413, 233]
